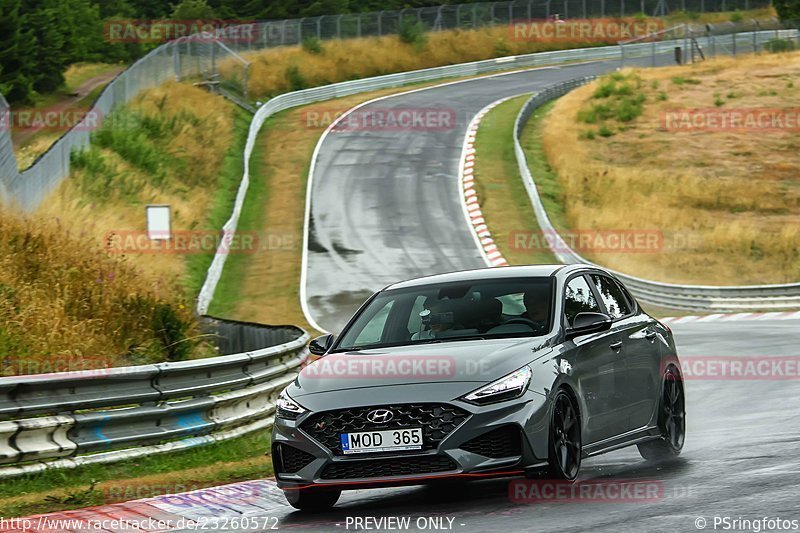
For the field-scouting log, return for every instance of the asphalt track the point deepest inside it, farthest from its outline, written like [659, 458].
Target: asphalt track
[741, 459]
[385, 204]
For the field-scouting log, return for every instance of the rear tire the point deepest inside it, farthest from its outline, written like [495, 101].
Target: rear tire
[671, 421]
[564, 446]
[312, 500]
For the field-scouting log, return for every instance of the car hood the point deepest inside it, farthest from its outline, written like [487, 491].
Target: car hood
[470, 363]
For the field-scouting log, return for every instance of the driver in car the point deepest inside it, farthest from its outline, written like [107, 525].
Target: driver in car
[537, 308]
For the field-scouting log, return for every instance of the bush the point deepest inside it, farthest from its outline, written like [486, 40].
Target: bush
[312, 45]
[412, 32]
[779, 45]
[737, 16]
[297, 81]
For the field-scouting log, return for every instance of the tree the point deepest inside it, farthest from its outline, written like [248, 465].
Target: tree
[192, 10]
[15, 84]
[788, 9]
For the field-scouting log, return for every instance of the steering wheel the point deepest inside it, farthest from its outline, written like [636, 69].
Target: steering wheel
[524, 321]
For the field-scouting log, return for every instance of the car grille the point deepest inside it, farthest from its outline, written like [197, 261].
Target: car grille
[436, 420]
[505, 441]
[292, 460]
[404, 466]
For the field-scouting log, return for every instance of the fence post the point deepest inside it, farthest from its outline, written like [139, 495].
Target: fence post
[530, 5]
[380, 27]
[176, 59]
[583, 6]
[622, 8]
[358, 25]
[474, 16]
[653, 48]
[602, 8]
[566, 10]
[300, 30]
[319, 27]
[246, 81]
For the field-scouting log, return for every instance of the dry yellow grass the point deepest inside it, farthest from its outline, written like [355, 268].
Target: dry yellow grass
[727, 202]
[204, 132]
[360, 58]
[66, 306]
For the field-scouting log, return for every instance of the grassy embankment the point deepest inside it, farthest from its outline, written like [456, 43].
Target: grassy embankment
[725, 200]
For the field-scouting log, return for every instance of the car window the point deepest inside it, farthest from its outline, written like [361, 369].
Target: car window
[445, 312]
[627, 294]
[616, 303]
[578, 298]
[513, 304]
[373, 330]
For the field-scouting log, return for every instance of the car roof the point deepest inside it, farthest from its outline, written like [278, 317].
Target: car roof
[481, 274]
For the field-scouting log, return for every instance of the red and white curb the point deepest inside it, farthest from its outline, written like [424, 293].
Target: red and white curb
[471, 204]
[733, 317]
[248, 505]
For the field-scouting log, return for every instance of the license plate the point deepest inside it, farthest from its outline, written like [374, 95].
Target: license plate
[388, 440]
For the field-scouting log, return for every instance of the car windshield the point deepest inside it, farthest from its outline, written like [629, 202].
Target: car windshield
[445, 312]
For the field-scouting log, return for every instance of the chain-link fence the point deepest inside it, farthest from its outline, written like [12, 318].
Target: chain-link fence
[467, 16]
[699, 42]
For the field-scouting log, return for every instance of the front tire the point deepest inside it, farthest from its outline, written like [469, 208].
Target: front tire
[312, 500]
[565, 438]
[671, 421]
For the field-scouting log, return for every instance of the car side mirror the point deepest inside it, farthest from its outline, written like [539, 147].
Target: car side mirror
[321, 344]
[585, 323]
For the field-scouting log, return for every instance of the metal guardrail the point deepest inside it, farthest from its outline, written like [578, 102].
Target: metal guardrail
[693, 297]
[338, 90]
[54, 420]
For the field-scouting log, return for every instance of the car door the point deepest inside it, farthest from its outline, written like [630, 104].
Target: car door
[598, 365]
[639, 348]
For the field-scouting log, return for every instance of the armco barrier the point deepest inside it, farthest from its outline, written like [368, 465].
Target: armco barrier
[694, 297]
[337, 90]
[53, 420]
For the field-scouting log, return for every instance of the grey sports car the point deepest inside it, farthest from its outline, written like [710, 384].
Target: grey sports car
[481, 373]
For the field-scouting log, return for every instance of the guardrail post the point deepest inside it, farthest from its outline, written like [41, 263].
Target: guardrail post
[653, 48]
[734, 44]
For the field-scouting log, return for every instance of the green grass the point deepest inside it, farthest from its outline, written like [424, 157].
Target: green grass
[501, 191]
[230, 285]
[234, 460]
[223, 201]
[546, 180]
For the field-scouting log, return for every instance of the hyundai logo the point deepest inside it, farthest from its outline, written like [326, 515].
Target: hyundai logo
[380, 416]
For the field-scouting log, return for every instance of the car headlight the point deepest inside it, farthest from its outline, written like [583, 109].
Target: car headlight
[288, 408]
[508, 387]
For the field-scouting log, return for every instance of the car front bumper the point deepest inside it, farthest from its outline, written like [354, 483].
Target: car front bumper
[502, 439]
